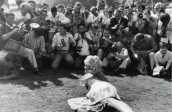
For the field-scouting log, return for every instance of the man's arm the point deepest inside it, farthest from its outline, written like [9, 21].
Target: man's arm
[54, 41]
[42, 47]
[153, 45]
[133, 43]
[8, 35]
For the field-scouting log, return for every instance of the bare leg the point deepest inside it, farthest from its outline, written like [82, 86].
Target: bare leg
[118, 105]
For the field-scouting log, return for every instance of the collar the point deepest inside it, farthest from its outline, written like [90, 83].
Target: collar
[10, 26]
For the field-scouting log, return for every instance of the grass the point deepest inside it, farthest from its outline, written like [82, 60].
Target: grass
[141, 93]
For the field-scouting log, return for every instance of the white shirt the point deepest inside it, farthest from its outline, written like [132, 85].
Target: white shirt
[6, 9]
[59, 17]
[82, 42]
[18, 15]
[169, 11]
[92, 19]
[67, 39]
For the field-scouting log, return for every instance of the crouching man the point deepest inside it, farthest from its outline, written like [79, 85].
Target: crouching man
[61, 43]
[8, 68]
[118, 59]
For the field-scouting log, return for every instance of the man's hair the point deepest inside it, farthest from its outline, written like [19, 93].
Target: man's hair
[60, 6]
[23, 5]
[164, 17]
[141, 6]
[82, 24]
[53, 9]
[10, 57]
[78, 4]
[169, 0]
[63, 25]
[31, 1]
[163, 44]
[139, 36]
[19, 2]
[9, 14]
[44, 4]
[43, 10]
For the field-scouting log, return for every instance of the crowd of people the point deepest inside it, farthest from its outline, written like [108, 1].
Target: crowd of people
[132, 35]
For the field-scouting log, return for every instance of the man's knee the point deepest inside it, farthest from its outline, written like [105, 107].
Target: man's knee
[151, 55]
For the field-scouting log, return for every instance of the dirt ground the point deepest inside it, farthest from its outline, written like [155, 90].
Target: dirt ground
[141, 93]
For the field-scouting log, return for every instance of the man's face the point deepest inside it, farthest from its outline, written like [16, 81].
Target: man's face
[106, 33]
[81, 29]
[25, 10]
[9, 64]
[118, 15]
[33, 6]
[121, 9]
[94, 31]
[119, 46]
[43, 15]
[10, 19]
[163, 50]
[61, 30]
[146, 14]
[77, 9]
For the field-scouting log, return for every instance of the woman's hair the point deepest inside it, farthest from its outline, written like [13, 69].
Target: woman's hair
[10, 57]
[78, 4]
[94, 63]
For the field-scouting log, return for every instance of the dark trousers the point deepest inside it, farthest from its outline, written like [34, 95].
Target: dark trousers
[79, 61]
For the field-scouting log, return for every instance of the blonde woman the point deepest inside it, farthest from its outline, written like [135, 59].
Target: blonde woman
[101, 94]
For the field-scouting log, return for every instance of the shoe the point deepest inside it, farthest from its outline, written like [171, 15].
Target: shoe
[118, 72]
[37, 72]
[104, 69]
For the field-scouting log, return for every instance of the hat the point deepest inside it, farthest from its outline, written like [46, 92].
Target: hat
[164, 17]
[34, 25]
[158, 5]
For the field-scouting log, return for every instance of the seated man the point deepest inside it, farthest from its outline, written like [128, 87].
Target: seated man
[83, 40]
[8, 70]
[164, 58]
[143, 47]
[9, 33]
[118, 59]
[105, 43]
[35, 41]
[61, 43]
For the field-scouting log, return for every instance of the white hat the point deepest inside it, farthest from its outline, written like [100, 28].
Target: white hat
[34, 25]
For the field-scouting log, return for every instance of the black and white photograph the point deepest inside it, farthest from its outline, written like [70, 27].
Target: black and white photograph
[85, 55]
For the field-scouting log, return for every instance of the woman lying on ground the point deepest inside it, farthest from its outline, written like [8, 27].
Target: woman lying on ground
[102, 96]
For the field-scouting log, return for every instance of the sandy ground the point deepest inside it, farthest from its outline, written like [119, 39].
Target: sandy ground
[141, 93]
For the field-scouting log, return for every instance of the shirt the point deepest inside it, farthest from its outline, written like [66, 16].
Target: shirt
[148, 44]
[163, 60]
[64, 41]
[83, 43]
[34, 42]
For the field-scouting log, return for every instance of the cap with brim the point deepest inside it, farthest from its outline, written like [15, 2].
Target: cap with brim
[34, 25]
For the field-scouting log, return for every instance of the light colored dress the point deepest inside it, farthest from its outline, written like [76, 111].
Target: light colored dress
[96, 98]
